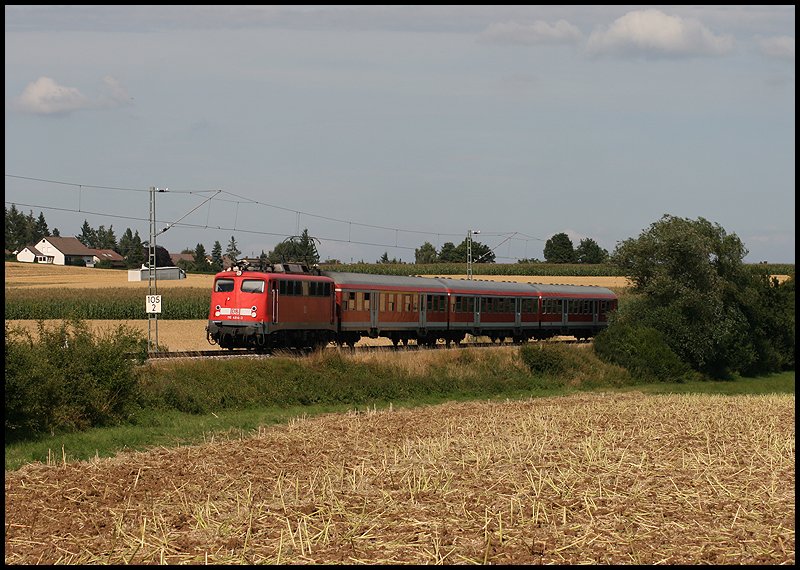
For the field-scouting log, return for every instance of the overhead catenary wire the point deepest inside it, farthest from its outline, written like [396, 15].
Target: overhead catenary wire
[218, 196]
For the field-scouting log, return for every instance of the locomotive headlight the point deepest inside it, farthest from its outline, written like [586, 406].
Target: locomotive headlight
[253, 311]
[216, 310]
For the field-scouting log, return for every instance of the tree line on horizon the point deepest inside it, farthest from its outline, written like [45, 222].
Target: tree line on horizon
[25, 229]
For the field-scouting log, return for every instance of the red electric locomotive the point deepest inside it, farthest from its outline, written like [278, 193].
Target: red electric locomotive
[282, 306]
[288, 306]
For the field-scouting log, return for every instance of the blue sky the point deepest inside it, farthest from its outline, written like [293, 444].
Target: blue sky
[379, 128]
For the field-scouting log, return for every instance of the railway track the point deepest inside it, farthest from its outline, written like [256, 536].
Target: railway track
[243, 353]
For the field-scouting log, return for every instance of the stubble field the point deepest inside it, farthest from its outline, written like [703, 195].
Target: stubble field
[601, 478]
[590, 478]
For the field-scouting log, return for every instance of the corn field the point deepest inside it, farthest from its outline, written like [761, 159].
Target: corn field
[115, 303]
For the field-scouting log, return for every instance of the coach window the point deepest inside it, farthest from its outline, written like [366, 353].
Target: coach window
[252, 286]
[351, 300]
[366, 301]
[223, 286]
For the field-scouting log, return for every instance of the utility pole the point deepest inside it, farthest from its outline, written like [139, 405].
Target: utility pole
[469, 251]
[153, 307]
[153, 299]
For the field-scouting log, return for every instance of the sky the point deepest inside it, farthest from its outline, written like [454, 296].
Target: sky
[380, 128]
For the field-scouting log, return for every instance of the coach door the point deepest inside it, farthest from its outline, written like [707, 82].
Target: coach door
[273, 300]
[371, 302]
[423, 308]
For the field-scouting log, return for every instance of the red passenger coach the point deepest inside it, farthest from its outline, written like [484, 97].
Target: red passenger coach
[399, 308]
[497, 309]
[283, 306]
[574, 310]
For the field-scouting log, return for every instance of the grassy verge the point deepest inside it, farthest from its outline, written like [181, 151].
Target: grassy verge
[191, 403]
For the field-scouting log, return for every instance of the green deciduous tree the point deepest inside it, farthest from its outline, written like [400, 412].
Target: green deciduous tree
[481, 253]
[448, 253]
[425, 254]
[559, 249]
[588, 251]
[691, 285]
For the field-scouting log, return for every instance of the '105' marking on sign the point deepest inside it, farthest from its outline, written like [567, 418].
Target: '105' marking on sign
[153, 303]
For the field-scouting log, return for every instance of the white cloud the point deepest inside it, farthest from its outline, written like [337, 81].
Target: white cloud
[781, 47]
[113, 94]
[46, 97]
[654, 33]
[539, 32]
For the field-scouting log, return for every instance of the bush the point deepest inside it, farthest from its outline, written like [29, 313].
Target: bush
[69, 379]
[642, 351]
[544, 359]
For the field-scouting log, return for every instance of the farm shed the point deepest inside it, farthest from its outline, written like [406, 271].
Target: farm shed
[162, 273]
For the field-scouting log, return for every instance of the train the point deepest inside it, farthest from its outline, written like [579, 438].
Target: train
[292, 306]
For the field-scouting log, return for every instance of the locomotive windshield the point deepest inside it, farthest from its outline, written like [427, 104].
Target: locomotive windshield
[223, 286]
[253, 286]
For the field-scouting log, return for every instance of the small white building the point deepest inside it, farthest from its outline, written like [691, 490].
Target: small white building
[29, 254]
[162, 273]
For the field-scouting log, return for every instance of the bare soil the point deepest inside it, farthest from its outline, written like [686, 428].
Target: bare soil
[583, 479]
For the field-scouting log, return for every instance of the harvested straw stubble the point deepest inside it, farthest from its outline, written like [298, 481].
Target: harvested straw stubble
[590, 478]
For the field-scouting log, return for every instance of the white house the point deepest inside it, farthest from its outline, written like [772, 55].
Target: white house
[58, 251]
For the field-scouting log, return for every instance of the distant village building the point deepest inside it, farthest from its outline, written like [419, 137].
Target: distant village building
[176, 257]
[110, 256]
[58, 251]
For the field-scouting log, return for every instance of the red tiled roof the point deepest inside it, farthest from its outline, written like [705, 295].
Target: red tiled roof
[107, 255]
